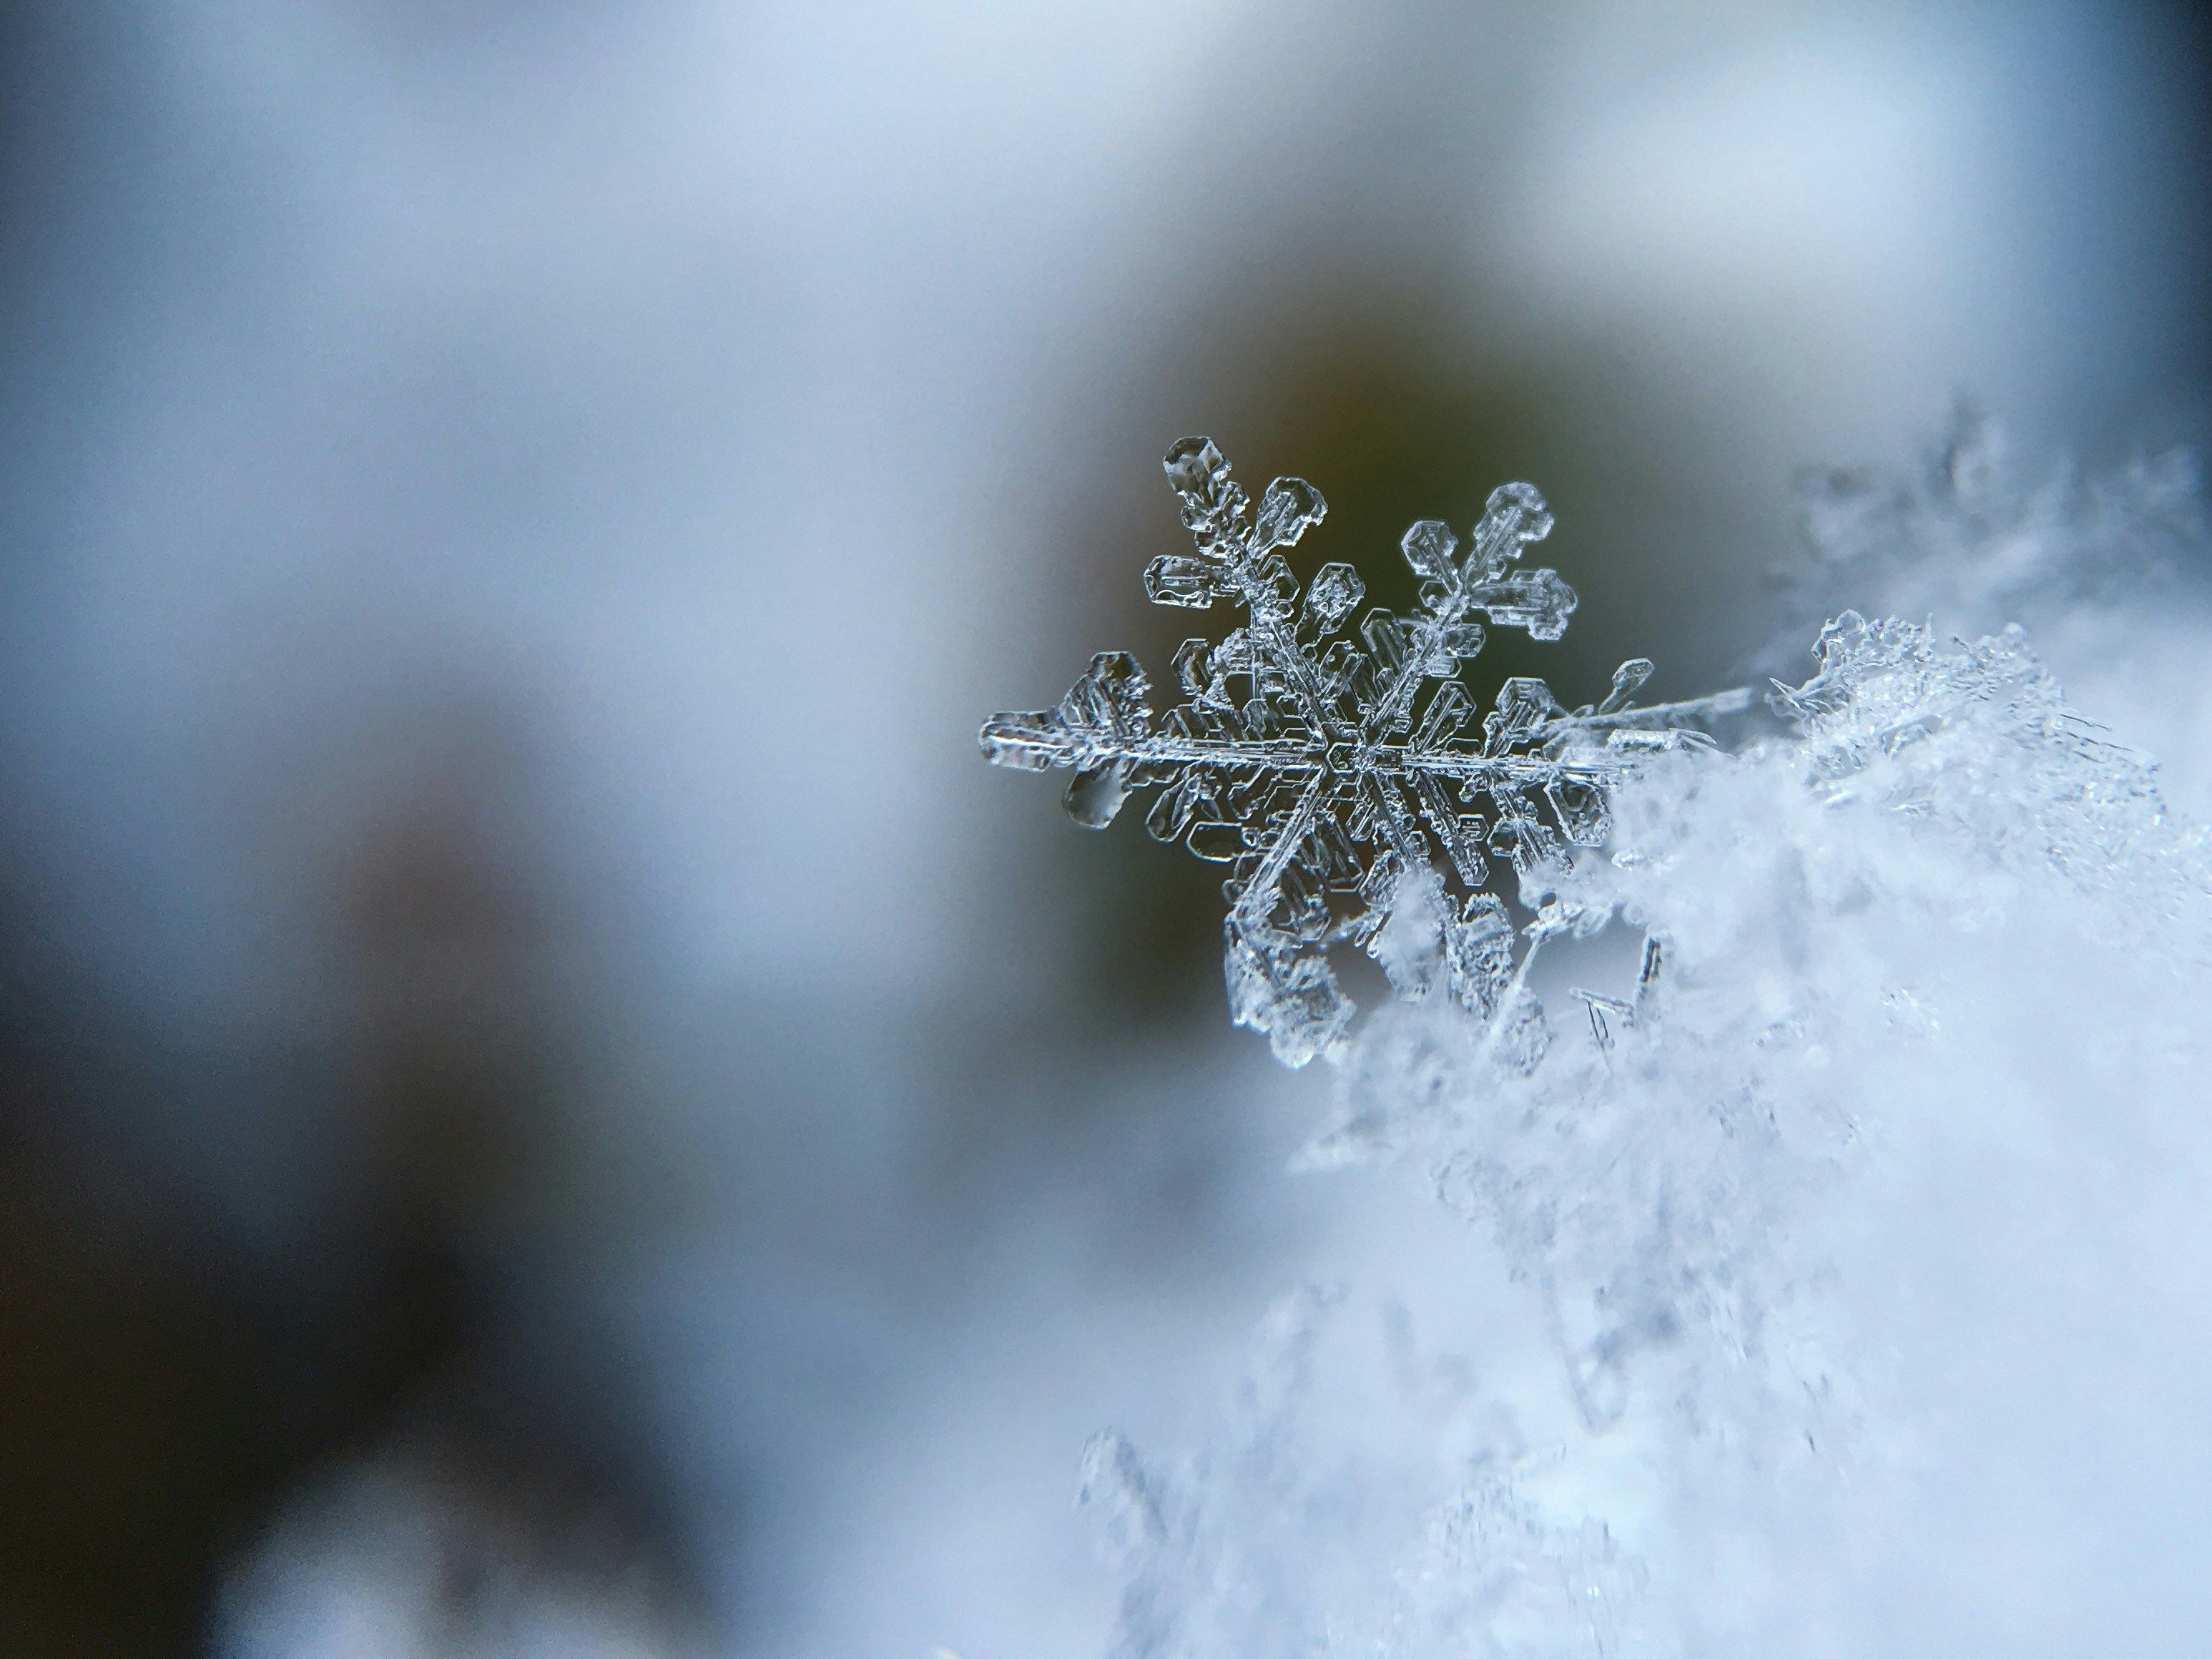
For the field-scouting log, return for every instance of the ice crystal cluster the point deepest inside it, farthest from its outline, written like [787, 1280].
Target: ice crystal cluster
[1340, 777]
[1851, 1272]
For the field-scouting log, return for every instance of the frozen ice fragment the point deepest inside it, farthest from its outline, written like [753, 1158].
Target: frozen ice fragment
[1386, 639]
[1030, 743]
[1522, 704]
[1194, 466]
[1581, 811]
[1287, 511]
[1190, 666]
[1536, 600]
[1449, 710]
[1523, 1035]
[1277, 584]
[1428, 547]
[1461, 640]
[1173, 579]
[1460, 835]
[1410, 946]
[1627, 680]
[1514, 517]
[1170, 813]
[1332, 595]
[1479, 950]
[1095, 794]
[1216, 842]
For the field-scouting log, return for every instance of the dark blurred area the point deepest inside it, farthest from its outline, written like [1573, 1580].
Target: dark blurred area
[551, 1104]
[175, 1388]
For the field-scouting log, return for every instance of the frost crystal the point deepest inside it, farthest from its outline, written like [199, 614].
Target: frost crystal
[1329, 773]
[1832, 1180]
[1837, 1297]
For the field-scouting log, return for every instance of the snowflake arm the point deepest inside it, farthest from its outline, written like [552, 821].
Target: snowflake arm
[1322, 770]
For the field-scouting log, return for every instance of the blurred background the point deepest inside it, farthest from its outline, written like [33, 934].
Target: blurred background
[549, 1104]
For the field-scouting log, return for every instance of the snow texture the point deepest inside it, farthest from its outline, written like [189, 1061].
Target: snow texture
[1323, 773]
[1977, 539]
[1856, 1259]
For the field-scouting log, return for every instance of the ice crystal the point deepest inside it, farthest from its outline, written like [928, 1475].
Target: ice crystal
[1935, 952]
[1346, 781]
[1850, 1263]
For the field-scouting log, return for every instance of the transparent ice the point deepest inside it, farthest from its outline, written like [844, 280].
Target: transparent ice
[1344, 780]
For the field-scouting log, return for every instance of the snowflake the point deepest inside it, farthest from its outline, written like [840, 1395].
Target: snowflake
[1329, 774]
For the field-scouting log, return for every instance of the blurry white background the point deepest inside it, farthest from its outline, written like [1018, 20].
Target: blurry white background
[529, 1021]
